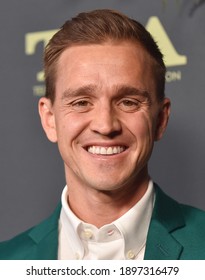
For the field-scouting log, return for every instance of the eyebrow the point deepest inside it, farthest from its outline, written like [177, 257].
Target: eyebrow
[69, 93]
[133, 91]
[120, 91]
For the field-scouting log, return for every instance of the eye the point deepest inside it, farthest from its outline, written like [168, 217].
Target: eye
[129, 105]
[81, 105]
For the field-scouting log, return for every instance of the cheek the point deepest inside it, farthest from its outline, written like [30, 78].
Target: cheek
[141, 127]
[70, 127]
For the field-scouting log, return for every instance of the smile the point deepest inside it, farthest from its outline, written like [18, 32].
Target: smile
[97, 150]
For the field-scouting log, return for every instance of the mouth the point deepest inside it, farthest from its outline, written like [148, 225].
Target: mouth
[111, 150]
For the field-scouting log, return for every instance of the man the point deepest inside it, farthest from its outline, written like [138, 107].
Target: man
[105, 107]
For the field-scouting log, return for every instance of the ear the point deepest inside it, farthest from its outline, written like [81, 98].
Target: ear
[45, 109]
[163, 118]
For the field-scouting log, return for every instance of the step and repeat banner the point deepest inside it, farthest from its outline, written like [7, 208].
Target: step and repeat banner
[31, 170]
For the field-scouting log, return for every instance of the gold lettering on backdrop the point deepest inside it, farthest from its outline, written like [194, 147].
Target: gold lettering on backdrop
[172, 76]
[39, 90]
[154, 26]
[171, 57]
[32, 40]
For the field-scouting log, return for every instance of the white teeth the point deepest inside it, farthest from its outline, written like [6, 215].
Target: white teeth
[103, 151]
[109, 151]
[106, 150]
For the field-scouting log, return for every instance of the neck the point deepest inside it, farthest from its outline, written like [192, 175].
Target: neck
[99, 207]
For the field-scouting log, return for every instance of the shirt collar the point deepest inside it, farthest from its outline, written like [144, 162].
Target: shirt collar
[71, 223]
[133, 225]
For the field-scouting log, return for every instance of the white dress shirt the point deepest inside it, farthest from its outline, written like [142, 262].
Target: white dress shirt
[125, 238]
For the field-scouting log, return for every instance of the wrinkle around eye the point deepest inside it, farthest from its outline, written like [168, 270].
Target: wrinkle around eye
[133, 105]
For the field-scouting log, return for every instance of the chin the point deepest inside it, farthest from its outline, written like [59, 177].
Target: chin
[106, 186]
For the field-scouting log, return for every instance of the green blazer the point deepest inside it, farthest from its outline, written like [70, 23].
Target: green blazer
[176, 232]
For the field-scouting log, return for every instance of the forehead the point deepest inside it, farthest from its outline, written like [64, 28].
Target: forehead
[106, 65]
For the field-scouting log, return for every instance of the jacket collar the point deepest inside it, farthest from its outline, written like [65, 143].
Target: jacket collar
[166, 218]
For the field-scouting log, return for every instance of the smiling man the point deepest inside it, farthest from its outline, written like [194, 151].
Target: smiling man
[105, 107]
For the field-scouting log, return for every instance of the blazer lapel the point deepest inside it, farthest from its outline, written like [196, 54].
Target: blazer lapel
[166, 218]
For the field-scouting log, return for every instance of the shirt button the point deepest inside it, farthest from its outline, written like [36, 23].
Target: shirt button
[130, 255]
[88, 234]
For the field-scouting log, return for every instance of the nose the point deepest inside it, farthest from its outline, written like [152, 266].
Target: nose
[106, 122]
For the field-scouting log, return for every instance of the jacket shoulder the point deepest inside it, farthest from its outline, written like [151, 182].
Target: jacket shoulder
[35, 243]
[17, 247]
[167, 207]
[192, 235]
[194, 220]
[185, 223]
